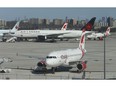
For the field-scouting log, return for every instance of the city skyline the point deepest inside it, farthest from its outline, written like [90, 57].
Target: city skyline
[52, 13]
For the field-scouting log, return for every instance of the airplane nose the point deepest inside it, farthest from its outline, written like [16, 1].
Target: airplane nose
[48, 63]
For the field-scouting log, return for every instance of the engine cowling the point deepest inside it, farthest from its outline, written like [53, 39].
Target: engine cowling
[41, 38]
[100, 38]
[81, 66]
[41, 64]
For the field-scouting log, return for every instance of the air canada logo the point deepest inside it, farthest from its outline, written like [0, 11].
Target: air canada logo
[16, 27]
[88, 26]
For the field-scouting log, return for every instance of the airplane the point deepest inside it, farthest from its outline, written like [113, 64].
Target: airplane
[19, 35]
[5, 32]
[68, 57]
[99, 36]
[3, 60]
[42, 35]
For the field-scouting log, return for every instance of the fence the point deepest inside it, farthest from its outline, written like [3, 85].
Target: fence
[87, 75]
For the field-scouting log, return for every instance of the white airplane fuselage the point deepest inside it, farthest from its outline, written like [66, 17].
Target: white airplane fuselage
[96, 36]
[64, 57]
[48, 33]
[4, 31]
[99, 35]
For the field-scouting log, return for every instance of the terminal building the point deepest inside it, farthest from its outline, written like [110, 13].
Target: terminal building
[2, 23]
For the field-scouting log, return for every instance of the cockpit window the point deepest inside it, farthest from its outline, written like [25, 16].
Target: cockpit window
[49, 57]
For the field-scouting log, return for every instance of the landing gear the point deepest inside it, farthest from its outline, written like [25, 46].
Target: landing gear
[89, 38]
[67, 39]
[61, 39]
[19, 39]
[4, 40]
[53, 69]
[52, 40]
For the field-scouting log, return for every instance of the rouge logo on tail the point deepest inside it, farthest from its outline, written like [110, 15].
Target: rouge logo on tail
[107, 31]
[64, 26]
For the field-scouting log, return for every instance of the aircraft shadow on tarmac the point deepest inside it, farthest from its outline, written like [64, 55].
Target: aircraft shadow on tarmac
[59, 69]
[49, 71]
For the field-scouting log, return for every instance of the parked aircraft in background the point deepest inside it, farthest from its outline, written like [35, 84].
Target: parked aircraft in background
[42, 35]
[5, 32]
[99, 36]
[69, 57]
[75, 34]
[39, 35]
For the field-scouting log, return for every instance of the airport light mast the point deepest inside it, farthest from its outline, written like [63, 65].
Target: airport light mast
[104, 58]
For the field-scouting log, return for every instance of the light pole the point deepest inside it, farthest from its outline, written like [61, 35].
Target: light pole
[104, 58]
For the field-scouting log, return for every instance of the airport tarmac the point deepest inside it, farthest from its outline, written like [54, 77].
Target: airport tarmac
[22, 65]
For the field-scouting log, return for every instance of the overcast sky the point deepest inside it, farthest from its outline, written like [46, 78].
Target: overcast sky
[51, 13]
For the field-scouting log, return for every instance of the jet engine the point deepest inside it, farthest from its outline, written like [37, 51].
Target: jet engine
[82, 66]
[41, 64]
[100, 38]
[41, 38]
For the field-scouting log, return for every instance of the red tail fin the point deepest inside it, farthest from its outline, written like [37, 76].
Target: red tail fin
[89, 25]
[107, 31]
[16, 27]
[64, 27]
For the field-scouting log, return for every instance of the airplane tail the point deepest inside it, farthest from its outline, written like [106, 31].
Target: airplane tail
[107, 33]
[16, 27]
[89, 25]
[64, 27]
[82, 41]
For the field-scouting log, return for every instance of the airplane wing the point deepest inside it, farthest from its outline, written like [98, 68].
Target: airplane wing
[89, 32]
[55, 34]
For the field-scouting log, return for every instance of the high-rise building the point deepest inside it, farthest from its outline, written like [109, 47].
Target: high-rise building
[57, 21]
[2, 23]
[33, 20]
[46, 21]
[72, 22]
[114, 23]
[110, 21]
[40, 21]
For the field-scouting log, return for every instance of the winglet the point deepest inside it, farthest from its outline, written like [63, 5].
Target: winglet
[89, 25]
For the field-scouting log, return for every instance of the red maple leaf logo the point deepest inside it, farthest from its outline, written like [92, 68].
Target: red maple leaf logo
[88, 26]
[17, 27]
